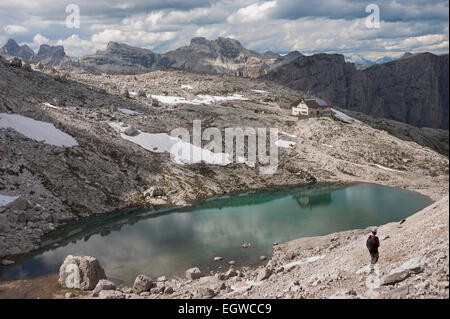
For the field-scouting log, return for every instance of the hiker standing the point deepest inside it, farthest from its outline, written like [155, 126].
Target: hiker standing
[372, 244]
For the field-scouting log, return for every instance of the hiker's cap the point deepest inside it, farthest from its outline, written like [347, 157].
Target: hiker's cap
[374, 231]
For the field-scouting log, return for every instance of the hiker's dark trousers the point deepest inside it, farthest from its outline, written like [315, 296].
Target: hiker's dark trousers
[374, 259]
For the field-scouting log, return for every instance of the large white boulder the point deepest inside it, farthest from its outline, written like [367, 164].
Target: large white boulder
[81, 272]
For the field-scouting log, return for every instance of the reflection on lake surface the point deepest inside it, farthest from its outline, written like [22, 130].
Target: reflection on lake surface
[169, 241]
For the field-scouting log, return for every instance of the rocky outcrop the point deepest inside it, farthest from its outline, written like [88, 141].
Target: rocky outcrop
[142, 284]
[53, 56]
[193, 273]
[102, 285]
[13, 49]
[47, 55]
[412, 90]
[225, 55]
[119, 58]
[81, 272]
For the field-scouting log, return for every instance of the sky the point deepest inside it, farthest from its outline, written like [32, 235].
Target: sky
[331, 26]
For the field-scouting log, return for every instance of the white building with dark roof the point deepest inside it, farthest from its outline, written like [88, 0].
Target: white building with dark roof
[311, 108]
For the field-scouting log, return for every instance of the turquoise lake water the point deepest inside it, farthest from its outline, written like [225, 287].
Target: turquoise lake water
[171, 240]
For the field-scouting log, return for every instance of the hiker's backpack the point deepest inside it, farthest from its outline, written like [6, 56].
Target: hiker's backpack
[370, 243]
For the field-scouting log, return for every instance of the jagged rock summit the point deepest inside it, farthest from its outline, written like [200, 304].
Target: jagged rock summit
[413, 89]
[13, 49]
[48, 55]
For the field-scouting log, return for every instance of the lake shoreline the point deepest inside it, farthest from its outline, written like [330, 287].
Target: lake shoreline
[172, 209]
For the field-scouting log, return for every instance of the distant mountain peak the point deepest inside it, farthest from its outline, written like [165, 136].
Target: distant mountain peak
[14, 49]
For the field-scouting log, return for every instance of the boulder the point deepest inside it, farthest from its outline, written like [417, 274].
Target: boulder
[246, 245]
[39, 66]
[161, 279]
[141, 93]
[205, 292]
[16, 63]
[111, 294]
[231, 272]
[154, 191]
[7, 262]
[27, 67]
[104, 285]
[19, 204]
[81, 272]
[168, 290]
[154, 102]
[264, 274]
[193, 273]
[412, 266]
[131, 131]
[124, 93]
[142, 283]
[57, 102]
[218, 258]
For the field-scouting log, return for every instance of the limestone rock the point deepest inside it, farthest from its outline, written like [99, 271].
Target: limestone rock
[264, 274]
[104, 285]
[19, 204]
[142, 283]
[193, 273]
[27, 67]
[81, 272]
[131, 131]
[16, 63]
[124, 93]
[412, 266]
[246, 245]
[111, 294]
[154, 191]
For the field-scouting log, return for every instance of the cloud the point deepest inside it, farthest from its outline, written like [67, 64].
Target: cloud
[252, 13]
[15, 29]
[390, 10]
[336, 26]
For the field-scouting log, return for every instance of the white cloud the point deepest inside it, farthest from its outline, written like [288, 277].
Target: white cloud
[283, 25]
[15, 29]
[38, 39]
[252, 13]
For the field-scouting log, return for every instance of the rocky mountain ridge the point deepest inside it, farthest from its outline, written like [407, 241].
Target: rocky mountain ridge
[53, 56]
[413, 89]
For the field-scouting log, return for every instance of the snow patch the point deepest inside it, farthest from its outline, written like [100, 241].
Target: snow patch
[201, 99]
[285, 144]
[50, 105]
[287, 134]
[37, 130]
[387, 168]
[128, 112]
[345, 117]
[180, 151]
[260, 91]
[301, 262]
[6, 200]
